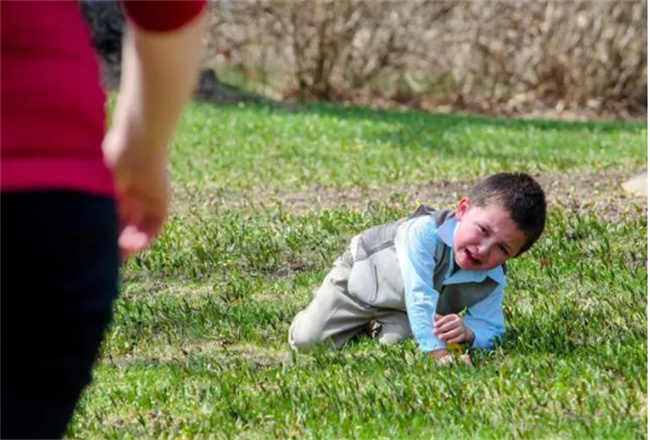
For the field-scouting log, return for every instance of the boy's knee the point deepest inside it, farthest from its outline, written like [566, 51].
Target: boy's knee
[303, 338]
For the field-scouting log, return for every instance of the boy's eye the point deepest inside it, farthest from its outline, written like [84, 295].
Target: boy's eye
[483, 230]
[503, 250]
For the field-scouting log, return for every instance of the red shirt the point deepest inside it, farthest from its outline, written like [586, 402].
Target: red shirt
[52, 105]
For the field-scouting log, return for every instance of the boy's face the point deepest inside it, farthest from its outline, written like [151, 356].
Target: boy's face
[486, 236]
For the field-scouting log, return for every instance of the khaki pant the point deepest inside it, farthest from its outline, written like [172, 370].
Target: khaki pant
[334, 316]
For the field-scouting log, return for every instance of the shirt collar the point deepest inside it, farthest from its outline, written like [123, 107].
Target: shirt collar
[447, 233]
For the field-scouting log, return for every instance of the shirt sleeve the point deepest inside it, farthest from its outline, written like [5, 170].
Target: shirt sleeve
[162, 16]
[415, 245]
[485, 319]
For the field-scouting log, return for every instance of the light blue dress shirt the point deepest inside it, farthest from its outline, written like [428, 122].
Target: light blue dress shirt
[415, 245]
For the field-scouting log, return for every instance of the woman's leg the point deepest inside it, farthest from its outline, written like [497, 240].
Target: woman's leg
[59, 270]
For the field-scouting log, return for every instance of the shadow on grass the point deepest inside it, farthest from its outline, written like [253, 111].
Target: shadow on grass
[444, 119]
[433, 120]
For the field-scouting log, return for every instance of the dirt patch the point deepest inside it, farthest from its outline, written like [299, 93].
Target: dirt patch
[255, 355]
[597, 192]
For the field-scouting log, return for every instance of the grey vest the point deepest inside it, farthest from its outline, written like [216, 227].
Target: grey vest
[375, 278]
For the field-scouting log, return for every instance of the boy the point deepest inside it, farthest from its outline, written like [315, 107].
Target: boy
[413, 276]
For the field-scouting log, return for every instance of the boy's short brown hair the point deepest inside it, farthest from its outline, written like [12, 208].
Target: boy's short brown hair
[521, 196]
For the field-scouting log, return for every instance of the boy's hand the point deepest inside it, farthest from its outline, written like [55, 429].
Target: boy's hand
[444, 357]
[450, 328]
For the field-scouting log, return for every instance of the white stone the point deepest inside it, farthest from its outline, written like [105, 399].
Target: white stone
[637, 185]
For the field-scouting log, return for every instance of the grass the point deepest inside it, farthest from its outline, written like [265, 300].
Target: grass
[248, 146]
[198, 348]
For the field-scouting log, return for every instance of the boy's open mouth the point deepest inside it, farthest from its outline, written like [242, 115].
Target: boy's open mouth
[471, 258]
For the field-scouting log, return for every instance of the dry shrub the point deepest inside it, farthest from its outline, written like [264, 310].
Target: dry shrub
[503, 57]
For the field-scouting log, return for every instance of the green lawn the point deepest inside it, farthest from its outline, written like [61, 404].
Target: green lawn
[199, 345]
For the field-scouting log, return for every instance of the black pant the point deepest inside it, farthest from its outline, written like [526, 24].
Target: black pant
[59, 274]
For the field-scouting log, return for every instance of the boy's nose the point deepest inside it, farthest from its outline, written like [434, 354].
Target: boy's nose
[482, 251]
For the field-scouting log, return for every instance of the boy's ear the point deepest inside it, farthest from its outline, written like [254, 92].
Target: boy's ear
[463, 207]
